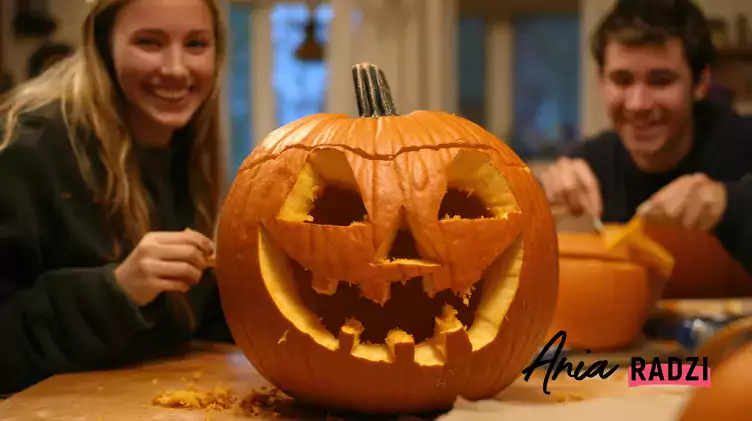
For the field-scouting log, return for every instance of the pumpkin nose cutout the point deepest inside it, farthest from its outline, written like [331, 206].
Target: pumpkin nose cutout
[404, 246]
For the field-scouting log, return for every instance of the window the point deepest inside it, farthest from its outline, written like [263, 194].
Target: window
[472, 69]
[546, 83]
[239, 77]
[300, 86]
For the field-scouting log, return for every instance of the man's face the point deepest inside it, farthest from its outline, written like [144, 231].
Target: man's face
[649, 92]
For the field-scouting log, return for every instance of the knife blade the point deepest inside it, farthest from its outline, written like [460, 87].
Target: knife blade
[598, 225]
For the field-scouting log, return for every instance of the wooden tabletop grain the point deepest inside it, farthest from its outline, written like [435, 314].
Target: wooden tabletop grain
[128, 394]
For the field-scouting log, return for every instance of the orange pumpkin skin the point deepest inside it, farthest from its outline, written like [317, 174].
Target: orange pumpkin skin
[704, 269]
[605, 296]
[727, 398]
[402, 167]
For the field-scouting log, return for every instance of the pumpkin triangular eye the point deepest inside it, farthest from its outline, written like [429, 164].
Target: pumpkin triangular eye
[476, 189]
[463, 204]
[326, 192]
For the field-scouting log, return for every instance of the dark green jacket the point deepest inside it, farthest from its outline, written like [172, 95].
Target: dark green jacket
[60, 307]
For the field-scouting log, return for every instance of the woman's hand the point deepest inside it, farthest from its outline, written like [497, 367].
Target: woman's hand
[163, 261]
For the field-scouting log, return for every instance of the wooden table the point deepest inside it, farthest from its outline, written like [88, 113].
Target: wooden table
[126, 394]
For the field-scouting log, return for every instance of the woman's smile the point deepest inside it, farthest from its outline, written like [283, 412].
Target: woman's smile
[172, 95]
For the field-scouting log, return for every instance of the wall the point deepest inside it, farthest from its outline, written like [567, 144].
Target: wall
[69, 15]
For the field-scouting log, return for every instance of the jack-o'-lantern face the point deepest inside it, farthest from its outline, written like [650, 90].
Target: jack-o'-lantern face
[386, 263]
[375, 269]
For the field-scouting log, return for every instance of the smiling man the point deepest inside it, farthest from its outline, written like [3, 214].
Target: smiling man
[672, 156]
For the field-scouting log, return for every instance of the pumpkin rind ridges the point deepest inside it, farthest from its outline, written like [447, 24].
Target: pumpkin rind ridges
[286, 338]
[345, 148]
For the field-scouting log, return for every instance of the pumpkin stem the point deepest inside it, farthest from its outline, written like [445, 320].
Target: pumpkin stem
[372, 91]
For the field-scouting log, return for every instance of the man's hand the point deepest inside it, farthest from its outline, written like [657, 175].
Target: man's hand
[693, 202]
[571, 182]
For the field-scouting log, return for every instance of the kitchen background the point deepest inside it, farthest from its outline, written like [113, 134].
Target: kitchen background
[520, 68]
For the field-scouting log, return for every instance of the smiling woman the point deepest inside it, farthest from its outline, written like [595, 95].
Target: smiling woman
[109, 189]
[164, 81]
[386, 263]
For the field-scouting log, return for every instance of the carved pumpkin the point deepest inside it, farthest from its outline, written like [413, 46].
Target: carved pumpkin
[606, 295]
[387, 263]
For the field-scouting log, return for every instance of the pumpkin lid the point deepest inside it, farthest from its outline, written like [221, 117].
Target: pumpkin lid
[591, 245]
[640, 249]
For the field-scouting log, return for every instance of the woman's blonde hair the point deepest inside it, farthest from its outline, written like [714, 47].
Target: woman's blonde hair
[90, 99]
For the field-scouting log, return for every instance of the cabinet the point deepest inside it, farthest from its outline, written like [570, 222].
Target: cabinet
[733, 66]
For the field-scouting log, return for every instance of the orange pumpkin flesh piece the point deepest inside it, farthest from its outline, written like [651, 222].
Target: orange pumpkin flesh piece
[387, 263]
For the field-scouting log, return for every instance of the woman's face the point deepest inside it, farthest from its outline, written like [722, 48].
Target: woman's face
[164, 57]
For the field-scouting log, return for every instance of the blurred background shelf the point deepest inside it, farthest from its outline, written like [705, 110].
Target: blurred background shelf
[733, 67]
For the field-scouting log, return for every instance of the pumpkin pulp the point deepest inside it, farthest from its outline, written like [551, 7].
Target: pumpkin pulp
[377, 320]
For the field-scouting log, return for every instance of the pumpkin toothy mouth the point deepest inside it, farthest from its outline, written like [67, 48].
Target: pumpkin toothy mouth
[407, 316]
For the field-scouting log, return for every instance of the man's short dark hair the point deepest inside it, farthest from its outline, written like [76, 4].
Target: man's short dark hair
[645, 22]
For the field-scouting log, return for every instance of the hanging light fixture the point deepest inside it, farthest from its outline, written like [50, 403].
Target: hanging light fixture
[310, 49]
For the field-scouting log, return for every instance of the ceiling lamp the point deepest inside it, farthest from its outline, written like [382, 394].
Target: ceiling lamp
[310, 49]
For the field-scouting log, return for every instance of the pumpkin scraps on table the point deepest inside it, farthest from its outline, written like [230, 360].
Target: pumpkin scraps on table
[386, 263]
[264, 402]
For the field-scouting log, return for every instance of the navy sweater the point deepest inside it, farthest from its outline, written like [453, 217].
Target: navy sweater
[722, 150]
